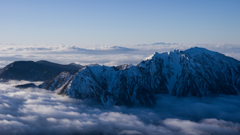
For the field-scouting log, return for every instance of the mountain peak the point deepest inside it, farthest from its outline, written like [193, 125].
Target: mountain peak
[77, 65]
[156, 54]
[197, 50]
[163, 55]
[192, 51]
[43, 61]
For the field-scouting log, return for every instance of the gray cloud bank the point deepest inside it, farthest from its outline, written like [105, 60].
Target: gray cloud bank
[37, 111]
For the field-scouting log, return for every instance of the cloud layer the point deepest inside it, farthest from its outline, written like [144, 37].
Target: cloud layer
[37, 111]
[103, 55]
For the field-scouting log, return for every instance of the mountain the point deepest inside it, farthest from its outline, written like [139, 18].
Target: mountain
[77, 65]
[28, 85]
[80, 66]
[90, 65]
[194, 72]
[34, 71]
[124, 66]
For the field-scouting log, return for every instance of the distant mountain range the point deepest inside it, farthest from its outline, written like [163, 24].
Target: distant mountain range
[194, 72]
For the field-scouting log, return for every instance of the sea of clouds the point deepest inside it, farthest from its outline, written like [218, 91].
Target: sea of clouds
[38, 111]
[109, 55]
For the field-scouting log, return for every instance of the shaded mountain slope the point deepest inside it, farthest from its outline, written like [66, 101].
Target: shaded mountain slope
[34, 71]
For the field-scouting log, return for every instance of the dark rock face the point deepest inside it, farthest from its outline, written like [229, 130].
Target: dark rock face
[194, 72]
[59, 81]
[34, 71]
[28, 85]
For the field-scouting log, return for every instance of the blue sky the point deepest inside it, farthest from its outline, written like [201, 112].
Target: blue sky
[119, 22]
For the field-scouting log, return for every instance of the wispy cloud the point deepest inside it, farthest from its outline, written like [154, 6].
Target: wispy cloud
[37, 111]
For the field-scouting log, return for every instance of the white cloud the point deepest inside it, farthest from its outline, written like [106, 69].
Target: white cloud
[103, 55]
[203, 127]
[37, 111]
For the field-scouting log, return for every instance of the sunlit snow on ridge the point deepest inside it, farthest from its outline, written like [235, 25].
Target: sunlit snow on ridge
[37, 111]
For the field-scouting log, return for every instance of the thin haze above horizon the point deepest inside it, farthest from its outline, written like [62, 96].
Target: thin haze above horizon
[125, 22]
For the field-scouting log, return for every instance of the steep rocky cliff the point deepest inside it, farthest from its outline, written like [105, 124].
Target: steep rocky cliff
[193, 72]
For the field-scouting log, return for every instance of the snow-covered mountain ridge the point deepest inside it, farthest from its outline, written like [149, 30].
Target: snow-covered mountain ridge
[193, 72]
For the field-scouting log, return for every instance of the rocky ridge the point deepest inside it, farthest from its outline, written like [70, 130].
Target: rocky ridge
[194, 72]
